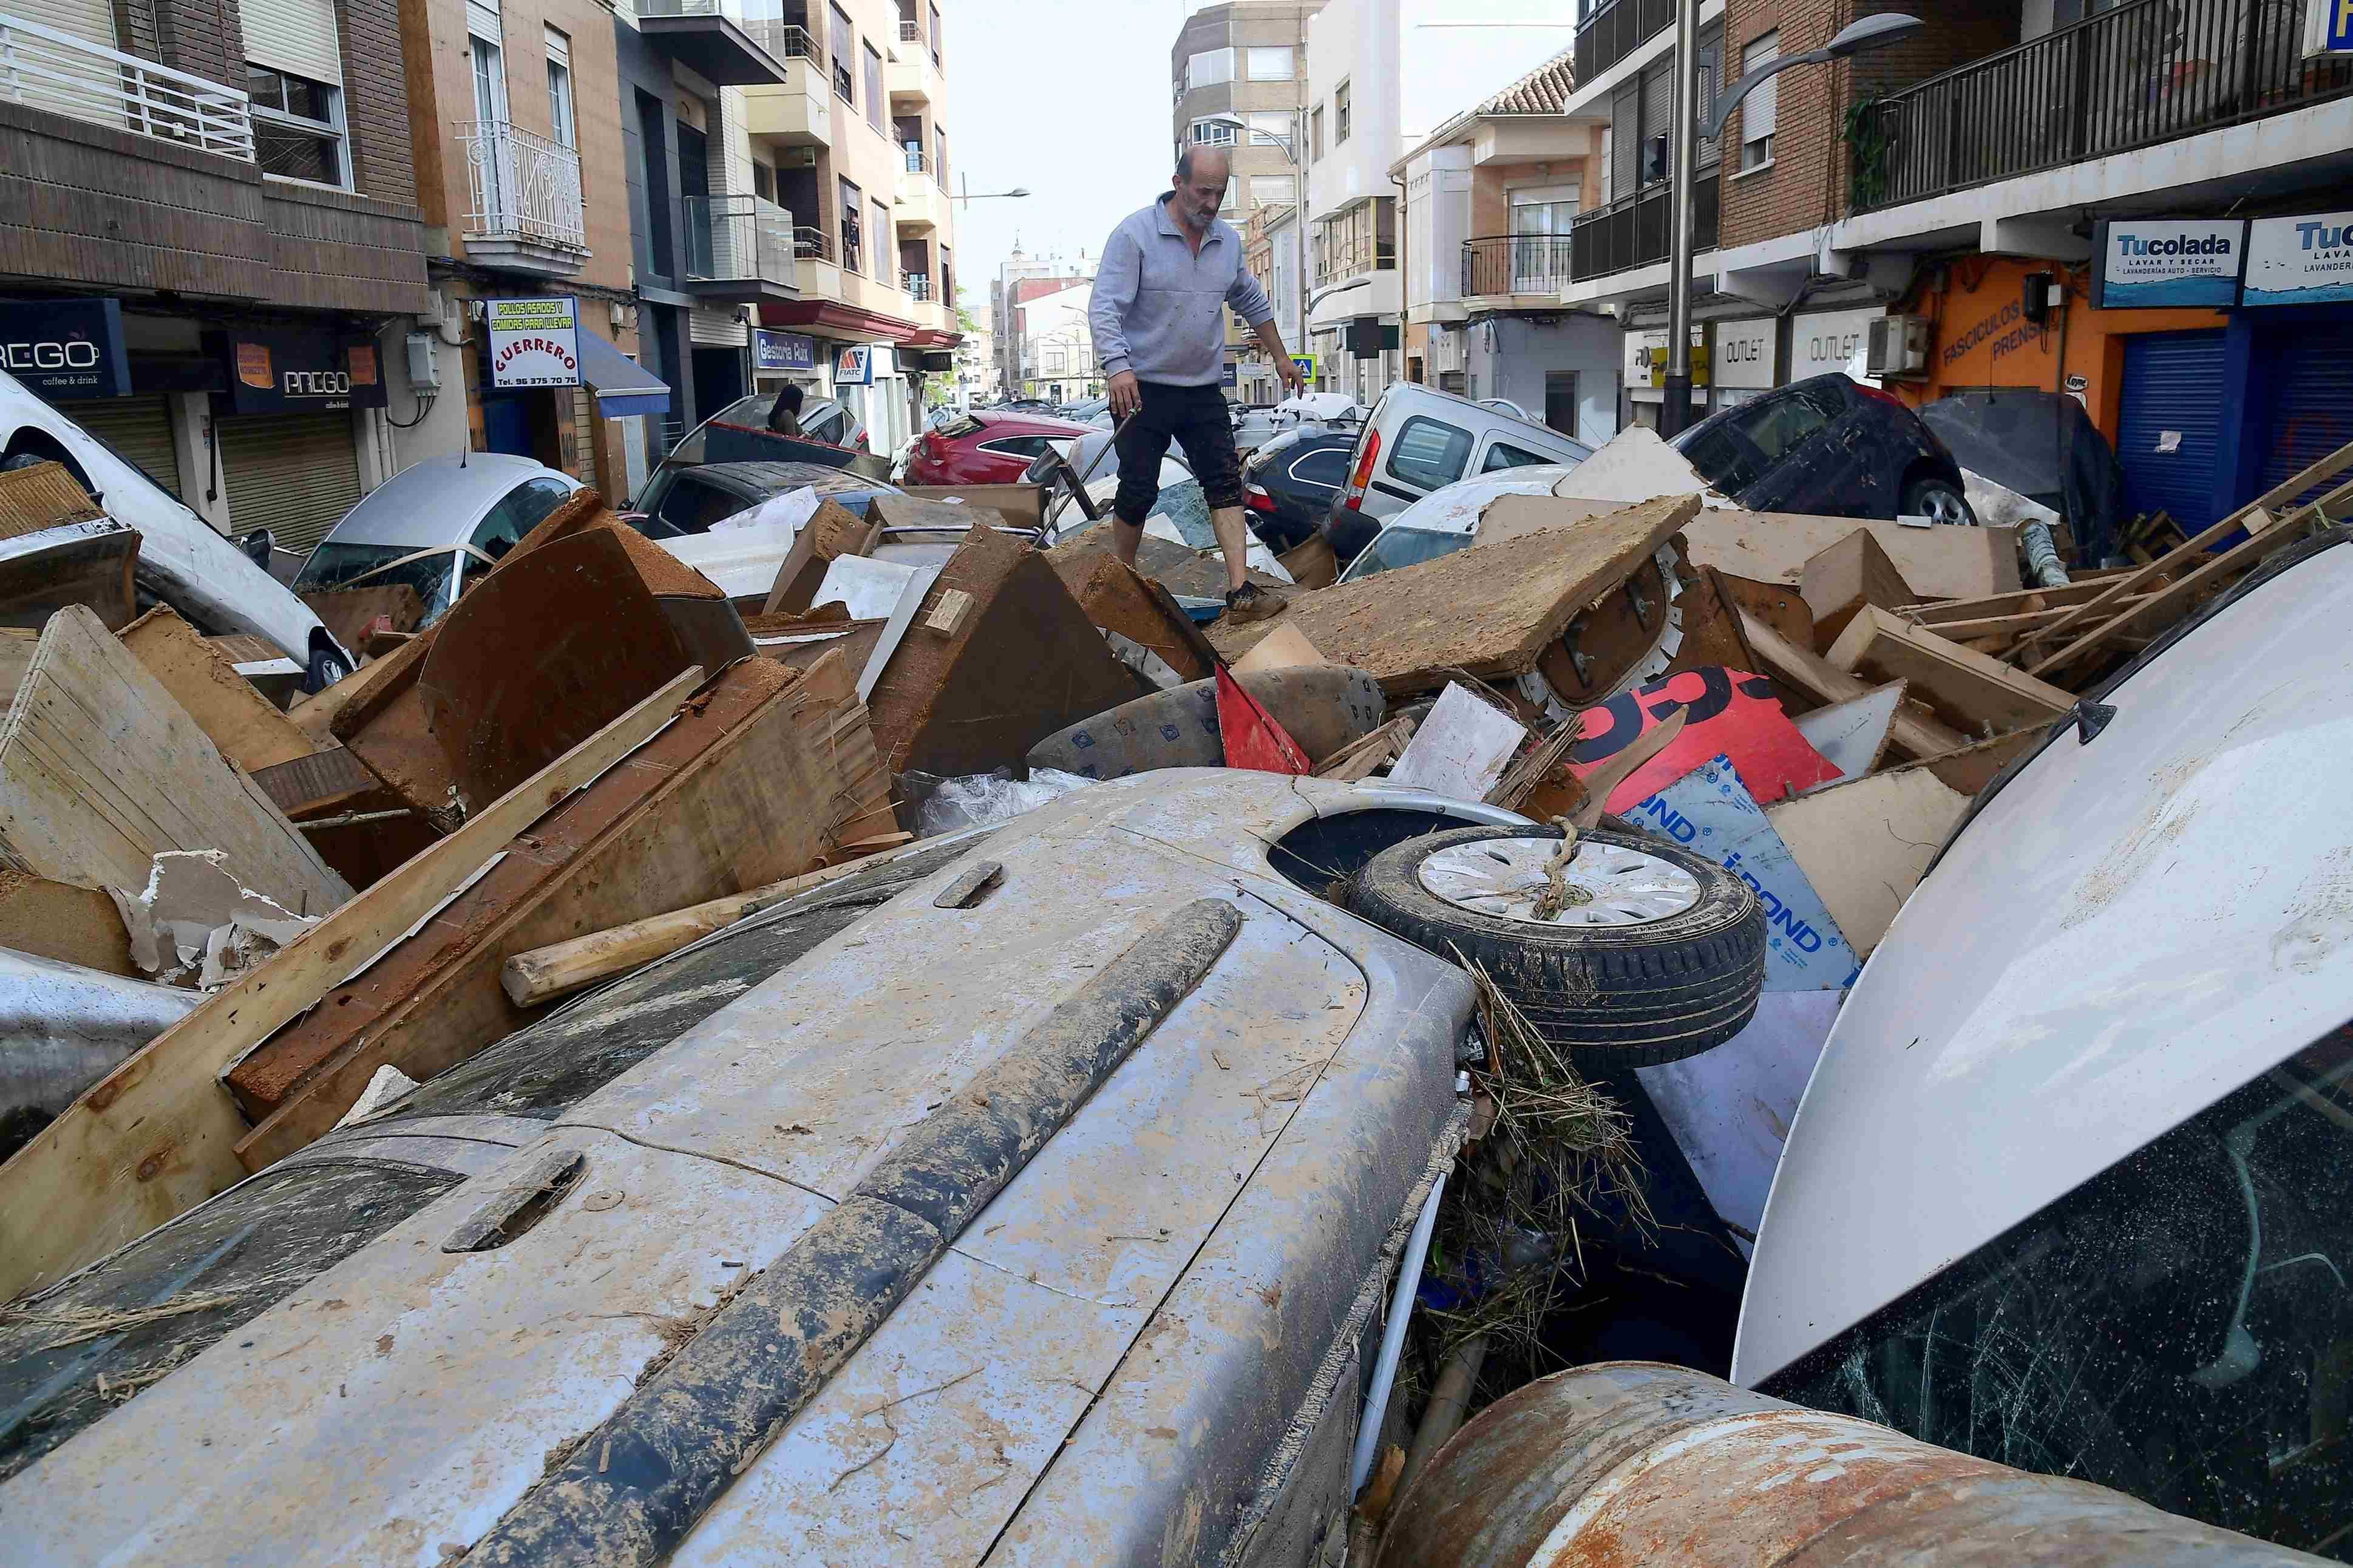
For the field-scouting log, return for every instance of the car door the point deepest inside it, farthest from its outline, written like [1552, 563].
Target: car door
[1429, 454]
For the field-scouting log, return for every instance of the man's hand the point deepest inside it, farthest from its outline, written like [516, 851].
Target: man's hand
[1127, 397]
[1292, 376]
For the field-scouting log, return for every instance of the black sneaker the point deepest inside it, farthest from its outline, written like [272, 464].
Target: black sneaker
[1251, 602]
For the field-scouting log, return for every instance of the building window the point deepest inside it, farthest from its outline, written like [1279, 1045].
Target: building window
[1214, 133]
[873, 87]
[1271, 190]
[1273, 131]
[560, 111]
[881, 240]
[940, 156]
[763, 182]
[1208, 68]
[935, 36]
[1315, 133]
[1272, 64]
[1340, 115]
[853, 252]
[298, 126]
[1756, 109]
[844, 74]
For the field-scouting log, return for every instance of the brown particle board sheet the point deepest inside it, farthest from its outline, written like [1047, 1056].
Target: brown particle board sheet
[1939, 562]
[250, 731]
[1489, 610]
[101, 769]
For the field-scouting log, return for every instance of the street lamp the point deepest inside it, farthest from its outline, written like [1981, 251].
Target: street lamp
[1289, 149]
[1874, 32]
[969, 194]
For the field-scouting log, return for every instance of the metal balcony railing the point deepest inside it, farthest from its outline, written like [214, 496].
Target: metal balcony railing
[1337, 262]
[522, 186]
[916, 162]
[1633, 231]
[738, 240]
[812, 245]
[1608, 33]
[45, 68]
[787, 41]
[918, 284]
[2145, 73]
[1516, 263]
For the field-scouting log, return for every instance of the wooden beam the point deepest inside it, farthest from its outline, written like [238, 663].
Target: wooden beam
[1975, 688]
[158, 1134]
[1839, 582]
[1911, 733]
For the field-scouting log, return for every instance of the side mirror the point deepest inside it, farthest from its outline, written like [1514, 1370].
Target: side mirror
[257, 546]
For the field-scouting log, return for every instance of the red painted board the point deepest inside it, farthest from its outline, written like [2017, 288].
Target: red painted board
[1253, 738]
[1732, 714]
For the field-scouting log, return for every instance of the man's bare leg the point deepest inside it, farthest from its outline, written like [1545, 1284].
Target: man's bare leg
[1126, 539]
[1243, 602]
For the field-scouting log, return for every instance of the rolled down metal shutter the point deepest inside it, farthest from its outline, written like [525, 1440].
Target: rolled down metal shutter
[294, 474]
[2172, 399]
[139, 428]
[2310, 372]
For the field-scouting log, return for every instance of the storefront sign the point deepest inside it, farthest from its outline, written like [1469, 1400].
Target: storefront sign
[1745, 355]
[1834, 340]
[1646, 359]
[2153, 264]
[289, 370]
[2328, 28]
[779, 352]
[2305, 260]
[853, 366]
[66, 348]
[534, 342]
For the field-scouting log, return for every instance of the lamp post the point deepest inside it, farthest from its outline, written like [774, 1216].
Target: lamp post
[1869, 33]
[968, 194]
[1289, 150]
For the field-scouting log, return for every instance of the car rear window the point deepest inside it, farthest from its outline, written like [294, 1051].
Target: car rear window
[1398, 547]
[1504, 455]
[1324, 466]
[73, 1353]
[1429, 453]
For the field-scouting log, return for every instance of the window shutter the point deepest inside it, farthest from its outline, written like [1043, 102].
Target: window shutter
[483, 21]
[297, 36]
[1625, 139]
[559, 48]
[1757, 109]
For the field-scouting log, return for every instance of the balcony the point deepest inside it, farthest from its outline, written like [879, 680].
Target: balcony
[800, 112]
[44, 68]
[1502, 265]
[715, 39]
[1634, 231]
[739, 249]
[918, 284]
[525, 213]
[1608, 33]
[919, 203]
[2148, 71]
[911, 74]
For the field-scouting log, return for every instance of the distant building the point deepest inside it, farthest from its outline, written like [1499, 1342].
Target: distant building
[1021, 279]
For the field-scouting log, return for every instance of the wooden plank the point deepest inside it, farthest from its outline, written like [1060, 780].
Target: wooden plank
[2139, 615]
[2026, 601]
[17, 646]
[158, 1135]
[2101, 607]
[100, 769]
[1912, 734]
[1840, 581]
[1777, 604]
[1969, 689]
[90, 564]
[1120, 599]
[301, 785]
[57, 920]
[1865, 845]
[249, 731]
[1490, 610]
[739, 790]
[832, 531]
[2005, 629]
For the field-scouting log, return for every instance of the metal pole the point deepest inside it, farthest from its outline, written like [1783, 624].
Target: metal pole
[1674, 413]
[1299, 221]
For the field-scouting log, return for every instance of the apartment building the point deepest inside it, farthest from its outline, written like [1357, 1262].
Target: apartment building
[1021, 279]
[1239, 80]
[1489, 198]
[852, 141]
[213, 221]
[2139, 204]
[1271, 249]
[1058, 348]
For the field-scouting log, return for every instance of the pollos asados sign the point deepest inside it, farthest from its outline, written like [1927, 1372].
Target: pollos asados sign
[534, 342]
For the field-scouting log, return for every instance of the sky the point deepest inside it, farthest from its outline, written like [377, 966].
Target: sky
[1070, 99]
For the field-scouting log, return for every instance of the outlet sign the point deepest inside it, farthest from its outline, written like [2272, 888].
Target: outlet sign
[2168, 264]
[66, 348]
[1831, 341]
[1745, 353]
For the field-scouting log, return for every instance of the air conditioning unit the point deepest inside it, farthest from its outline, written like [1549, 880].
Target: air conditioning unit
[1898, 346]
[796, 157]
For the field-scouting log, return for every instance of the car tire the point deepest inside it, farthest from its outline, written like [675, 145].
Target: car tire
[1938, 500]
[1644, 989]
[326, 668]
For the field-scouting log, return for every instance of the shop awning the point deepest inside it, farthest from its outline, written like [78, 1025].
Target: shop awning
[623, 387]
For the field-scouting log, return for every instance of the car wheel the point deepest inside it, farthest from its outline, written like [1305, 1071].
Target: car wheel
[1660, 954]
[327, 667]
[1937, 501]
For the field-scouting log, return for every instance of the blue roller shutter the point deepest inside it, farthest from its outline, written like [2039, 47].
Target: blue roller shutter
[2173, 384]
[2308, 373]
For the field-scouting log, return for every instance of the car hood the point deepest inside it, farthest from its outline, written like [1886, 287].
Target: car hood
[2125, 931]
[1108, 1360]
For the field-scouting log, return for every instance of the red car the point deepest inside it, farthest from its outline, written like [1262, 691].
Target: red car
[985, 448]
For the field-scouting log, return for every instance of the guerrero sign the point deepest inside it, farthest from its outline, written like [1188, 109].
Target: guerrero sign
[2158, 263]
[535, 342]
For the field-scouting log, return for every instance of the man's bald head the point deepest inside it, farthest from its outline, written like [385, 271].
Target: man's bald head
[1200, 185]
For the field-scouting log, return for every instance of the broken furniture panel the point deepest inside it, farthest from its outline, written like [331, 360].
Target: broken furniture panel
[1120, 599]
[60, 920]
[87, 564]
[348, 613]
[1914, 733]
[243, 724]
[42, 496]
[1865, 845]
[1839, 582]
[1774, 547]
[1973, 691]
[1853, 734]
[832, 531]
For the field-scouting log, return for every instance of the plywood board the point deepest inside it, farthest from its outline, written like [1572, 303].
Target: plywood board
[1840, 581]
[42, 496]
[158, 1135]
[1022, 506]
[1120, 599]
[57, 920]
[249, 729]
[1490, 610]
[1777, 604]
[1711, 626]
[90, 564]
[1942, 563]
[1863, 846]
[1975, 692]
[101, 769]
[1912, 733]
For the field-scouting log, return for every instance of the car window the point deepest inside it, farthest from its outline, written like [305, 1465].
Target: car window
[1504, 455]
[693, 504]
[1429, 453]
[1396, 547]
[331, 567]
[1324, 466]
[1778, 426]
[833, 428]
[72, 1354]
[1722, 454]
[517, 513]
[2176, 1327]
[1022, 447]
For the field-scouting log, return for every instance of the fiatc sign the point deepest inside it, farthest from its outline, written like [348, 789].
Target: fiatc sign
[534, 342]
[2305, 260]
[66, 348]
[2168, 263]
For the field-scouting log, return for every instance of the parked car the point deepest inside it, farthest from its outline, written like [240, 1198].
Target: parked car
[1444, 520]
[985, 448]
[1828, 446]
[1417, 439]
[436, 525]
[681, 501]
[1085, 412]
[184, 560]
[453, 1343]
[823, 419]
[1288, 484]
[2067, 1185]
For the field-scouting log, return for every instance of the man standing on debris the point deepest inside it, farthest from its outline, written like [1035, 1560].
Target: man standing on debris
[1160, 335]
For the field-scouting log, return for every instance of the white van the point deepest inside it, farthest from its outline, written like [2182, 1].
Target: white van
[1419, 440]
